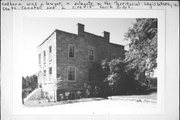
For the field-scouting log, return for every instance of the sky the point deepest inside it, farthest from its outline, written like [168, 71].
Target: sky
[36, 30]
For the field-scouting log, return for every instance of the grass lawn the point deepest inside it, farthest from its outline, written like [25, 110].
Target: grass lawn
[150, 98]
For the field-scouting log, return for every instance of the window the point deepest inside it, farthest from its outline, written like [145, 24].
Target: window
[91, 54]
[71, 73]
[50, 49]
[71, 51]
[72, 96]
[44, 72]
[39, 58]
[44, 55]
[50, 70]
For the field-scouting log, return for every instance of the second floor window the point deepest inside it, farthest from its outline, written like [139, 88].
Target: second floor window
[44, 55]
[71, 51]
[91, 54]
[39, 58]
[50, 49]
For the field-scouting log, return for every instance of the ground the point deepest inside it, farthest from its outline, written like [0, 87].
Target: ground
[134, 104]
[127, 100]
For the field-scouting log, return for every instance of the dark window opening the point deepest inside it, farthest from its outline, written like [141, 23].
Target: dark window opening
[50, 49]
[44, 72]
[50, 70]
[91, 54]
[71, 73]
[44, 55]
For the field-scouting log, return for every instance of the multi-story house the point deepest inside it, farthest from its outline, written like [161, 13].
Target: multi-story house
[66, 59]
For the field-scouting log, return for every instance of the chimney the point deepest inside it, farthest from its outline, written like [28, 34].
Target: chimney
[106, 35]
[80, 29]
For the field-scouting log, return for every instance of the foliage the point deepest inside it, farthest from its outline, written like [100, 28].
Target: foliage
[111, 78]
[105, 67]
[96, 74]
[119, 80]
[116, 74]
[142, 52]
[96, 86]
[29, 83]
[92, 90]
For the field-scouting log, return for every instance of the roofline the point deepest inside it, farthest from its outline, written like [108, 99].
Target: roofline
[53, 33]
[47, 38]
[77, 35]
[66, 32]
[93, 34]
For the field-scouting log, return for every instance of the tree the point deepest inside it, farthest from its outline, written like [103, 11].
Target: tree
[118, 79]
[23, 83]
[34, 82]
[29, 82]
[142, 52]
[116, 75]
[96, 80]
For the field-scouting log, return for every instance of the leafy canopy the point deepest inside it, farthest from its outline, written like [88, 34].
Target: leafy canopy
[142, 52]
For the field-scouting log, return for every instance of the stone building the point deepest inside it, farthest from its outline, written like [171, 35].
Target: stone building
[65, 60]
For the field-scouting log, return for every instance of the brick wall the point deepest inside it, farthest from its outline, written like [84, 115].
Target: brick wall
[79, 61]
